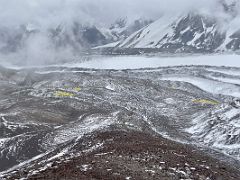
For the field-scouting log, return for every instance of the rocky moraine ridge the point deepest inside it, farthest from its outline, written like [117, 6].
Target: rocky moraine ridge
[60, 122]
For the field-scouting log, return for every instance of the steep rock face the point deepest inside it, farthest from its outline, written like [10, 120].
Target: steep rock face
[193, 32]
[234, 41]
[122, 28]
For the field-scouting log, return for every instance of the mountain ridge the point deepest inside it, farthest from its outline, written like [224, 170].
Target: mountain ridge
[192, 32]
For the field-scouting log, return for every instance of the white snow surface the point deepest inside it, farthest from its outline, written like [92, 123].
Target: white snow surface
[227, 80]
[227, 72]
[137, 62]
[78, 129]
[218, 129]
[150, 35]
[211, 86]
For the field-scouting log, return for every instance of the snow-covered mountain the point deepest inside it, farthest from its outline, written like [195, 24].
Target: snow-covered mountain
[122, 28]
[190, 32]
[74, 37]
[193, 31]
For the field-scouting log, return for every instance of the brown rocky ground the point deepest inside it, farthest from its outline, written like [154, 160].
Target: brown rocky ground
[47, 136]
[134, 155]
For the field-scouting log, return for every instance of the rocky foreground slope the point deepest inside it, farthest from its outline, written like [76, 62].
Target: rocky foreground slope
[59, 122]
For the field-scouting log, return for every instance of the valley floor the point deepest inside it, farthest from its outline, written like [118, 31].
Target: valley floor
[63, 122]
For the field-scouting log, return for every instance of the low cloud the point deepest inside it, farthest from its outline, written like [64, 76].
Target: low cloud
[46, 14]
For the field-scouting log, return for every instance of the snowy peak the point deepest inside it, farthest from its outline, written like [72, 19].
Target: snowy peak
[150, 33]
[195, 32]
[192, 32]
[123, 28]
[72, 37]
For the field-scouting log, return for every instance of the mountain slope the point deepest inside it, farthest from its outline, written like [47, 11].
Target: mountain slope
[189, 32]
[73, 36]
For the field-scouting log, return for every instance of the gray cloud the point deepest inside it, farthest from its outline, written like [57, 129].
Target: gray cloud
[51, 12]
[45, 14]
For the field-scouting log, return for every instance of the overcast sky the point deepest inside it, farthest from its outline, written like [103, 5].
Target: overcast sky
[50, 12]
[45, 14]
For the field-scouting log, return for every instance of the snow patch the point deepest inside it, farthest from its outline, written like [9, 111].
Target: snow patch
[207, 85]
[137, 62]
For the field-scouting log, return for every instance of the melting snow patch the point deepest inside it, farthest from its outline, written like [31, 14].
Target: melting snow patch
[88, 125]
[170, 101]
[85, 167]
[61, 154]
[110, 87]
[151, 171]
[3, 140]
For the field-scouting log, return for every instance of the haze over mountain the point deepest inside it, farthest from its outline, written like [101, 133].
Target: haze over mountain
[196, 30]
[45, 31]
